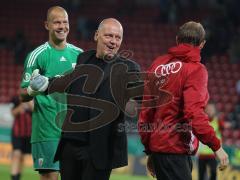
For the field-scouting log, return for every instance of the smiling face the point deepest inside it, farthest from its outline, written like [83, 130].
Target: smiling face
[108, 38]
[58, 26]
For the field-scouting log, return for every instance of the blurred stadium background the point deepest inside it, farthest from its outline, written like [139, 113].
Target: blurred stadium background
[149, 29]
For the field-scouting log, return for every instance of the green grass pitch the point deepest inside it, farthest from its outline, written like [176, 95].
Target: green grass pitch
[30, 174]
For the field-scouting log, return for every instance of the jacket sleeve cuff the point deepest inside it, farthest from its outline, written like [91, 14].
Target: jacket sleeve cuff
[215, 144]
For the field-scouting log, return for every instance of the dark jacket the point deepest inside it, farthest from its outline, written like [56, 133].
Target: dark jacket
[107, 143]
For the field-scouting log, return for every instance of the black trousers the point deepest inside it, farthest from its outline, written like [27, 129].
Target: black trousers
[202, 168]
[75, 164]
[172, 166]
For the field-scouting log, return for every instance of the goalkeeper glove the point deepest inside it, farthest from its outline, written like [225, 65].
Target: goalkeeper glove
[38, 83]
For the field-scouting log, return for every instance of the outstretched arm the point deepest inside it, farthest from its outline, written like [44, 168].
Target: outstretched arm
[38, 83]
[41, 84]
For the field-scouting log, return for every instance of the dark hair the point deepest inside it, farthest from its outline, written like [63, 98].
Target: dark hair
[192, 33]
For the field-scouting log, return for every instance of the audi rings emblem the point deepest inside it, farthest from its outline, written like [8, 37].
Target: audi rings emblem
[166, 69]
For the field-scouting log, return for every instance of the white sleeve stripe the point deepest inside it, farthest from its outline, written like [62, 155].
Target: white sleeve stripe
[30, 58]
[75, 52]
[75, 47]
[33, 53]
[79, 49]
[36, 55]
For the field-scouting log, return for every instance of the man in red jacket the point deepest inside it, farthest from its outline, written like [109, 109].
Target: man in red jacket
[172, 118]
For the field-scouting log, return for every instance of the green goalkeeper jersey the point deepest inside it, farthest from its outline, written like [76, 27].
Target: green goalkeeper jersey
[50, 62]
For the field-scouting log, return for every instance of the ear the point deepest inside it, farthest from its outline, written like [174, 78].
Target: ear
[96, 36]
[46, 25]
[176, 40]
[202, 44]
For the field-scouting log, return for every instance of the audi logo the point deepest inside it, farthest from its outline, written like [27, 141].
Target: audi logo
[166, 69]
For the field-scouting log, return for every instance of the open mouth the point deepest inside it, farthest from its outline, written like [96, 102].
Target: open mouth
[60, 33]
[110, 48]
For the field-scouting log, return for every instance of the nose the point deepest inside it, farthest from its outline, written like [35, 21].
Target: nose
[61, 25]
[113, 40]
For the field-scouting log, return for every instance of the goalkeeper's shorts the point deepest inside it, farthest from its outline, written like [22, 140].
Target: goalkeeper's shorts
[43, 155]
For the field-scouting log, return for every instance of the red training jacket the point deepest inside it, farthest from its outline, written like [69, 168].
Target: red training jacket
[172, 118]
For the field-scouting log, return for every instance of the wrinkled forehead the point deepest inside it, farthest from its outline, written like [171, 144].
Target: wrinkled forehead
[113, 27]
